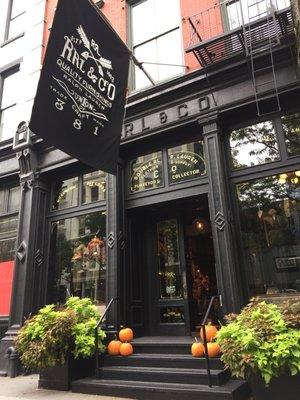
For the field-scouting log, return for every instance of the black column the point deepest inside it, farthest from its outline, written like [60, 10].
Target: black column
[222, 228]
[28, 292]
[115, 244]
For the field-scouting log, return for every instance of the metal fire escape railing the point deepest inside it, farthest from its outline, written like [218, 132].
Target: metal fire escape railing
[243, 29]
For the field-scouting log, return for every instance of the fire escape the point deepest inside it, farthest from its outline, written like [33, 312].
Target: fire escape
[245, 29]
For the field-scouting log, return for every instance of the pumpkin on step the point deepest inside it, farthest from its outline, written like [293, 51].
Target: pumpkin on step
[210, 331]
[126, 335]
[213, 349]
[113, 347]
[126, 349]
[197, 349]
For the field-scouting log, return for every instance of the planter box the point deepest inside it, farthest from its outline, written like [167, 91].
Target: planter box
[285, 387]
[61, 377]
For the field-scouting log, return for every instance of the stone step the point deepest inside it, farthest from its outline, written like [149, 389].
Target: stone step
[168, 375]
[162, 360]
[144, 390]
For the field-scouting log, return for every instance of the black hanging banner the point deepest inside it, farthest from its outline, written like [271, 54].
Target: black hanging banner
[80, 99]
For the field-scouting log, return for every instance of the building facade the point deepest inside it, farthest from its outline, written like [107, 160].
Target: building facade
[206, 199]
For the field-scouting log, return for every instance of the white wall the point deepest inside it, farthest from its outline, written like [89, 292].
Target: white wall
[28, 47]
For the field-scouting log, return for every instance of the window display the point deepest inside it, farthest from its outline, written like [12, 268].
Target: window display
[270, 223]
[78, 258]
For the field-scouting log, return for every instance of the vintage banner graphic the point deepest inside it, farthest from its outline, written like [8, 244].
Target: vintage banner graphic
[80, 100]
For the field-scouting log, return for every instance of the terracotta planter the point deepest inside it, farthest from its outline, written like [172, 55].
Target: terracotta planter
[285, 387]
[61, 377]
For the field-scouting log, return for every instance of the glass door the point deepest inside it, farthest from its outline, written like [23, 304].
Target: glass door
[169, 295]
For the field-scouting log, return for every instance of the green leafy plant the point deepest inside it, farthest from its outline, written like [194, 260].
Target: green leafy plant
[48, 338]
[260, 341]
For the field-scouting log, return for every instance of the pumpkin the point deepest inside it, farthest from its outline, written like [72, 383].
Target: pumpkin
[197, 349]
[210, 331]
[126, 335]
[213, 349]
[113, 347]
[126, 349]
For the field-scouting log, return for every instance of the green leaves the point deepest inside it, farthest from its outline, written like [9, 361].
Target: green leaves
[259, 340]
[49, 337]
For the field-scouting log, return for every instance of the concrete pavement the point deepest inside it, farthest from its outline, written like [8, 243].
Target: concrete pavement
[26, 388]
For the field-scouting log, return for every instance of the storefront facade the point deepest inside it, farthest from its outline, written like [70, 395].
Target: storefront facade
[206, 201]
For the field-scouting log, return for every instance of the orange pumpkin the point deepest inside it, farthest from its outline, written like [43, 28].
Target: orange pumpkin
[113, 347]
[211, 332]
[126, 335]
[126, 349]
[197, 349]
[213, 349]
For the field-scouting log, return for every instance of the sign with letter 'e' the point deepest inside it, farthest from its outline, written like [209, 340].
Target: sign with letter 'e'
[80, 99]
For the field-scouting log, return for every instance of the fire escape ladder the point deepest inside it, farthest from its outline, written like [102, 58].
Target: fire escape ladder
[262, 39]
[202, 58]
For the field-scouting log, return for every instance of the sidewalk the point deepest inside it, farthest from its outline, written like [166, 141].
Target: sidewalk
[26, 388]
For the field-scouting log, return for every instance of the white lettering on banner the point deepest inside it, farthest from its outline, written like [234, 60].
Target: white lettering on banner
[87, 81]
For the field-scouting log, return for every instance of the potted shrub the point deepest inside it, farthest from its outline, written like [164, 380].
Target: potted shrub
[262, 345]
[59, 342]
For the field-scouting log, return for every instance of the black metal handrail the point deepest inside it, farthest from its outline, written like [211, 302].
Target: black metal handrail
[204, 336]
[97, 336]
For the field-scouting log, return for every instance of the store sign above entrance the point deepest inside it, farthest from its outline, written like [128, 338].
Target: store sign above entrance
[166, 118]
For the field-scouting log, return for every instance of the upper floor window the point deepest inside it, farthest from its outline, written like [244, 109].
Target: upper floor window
[10, 88]
[241, 12]
[10, 11]
[156, 40]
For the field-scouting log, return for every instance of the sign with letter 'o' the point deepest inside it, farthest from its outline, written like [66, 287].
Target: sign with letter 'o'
[80, 99]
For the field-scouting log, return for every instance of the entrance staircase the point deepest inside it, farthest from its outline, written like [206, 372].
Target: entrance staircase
[162, 368]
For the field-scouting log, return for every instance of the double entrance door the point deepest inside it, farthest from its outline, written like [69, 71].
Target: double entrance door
[173, 265]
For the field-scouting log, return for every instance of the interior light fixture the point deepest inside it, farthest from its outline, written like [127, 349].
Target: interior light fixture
[200, 225]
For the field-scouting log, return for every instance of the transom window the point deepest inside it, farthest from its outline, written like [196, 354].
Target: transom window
[182, 163]
[85, 189]
[156, 40]
[265, 142]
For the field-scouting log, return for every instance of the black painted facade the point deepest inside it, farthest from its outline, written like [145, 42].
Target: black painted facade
[179, 111]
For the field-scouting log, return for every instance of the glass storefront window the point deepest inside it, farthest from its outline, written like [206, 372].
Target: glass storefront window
[186, 162]
[146, 172]
[94, 187]
[78, 259]
[291, 128]
[172, 315]
[169, 271]
[65, 194]
[254, 145]
[270, 223]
